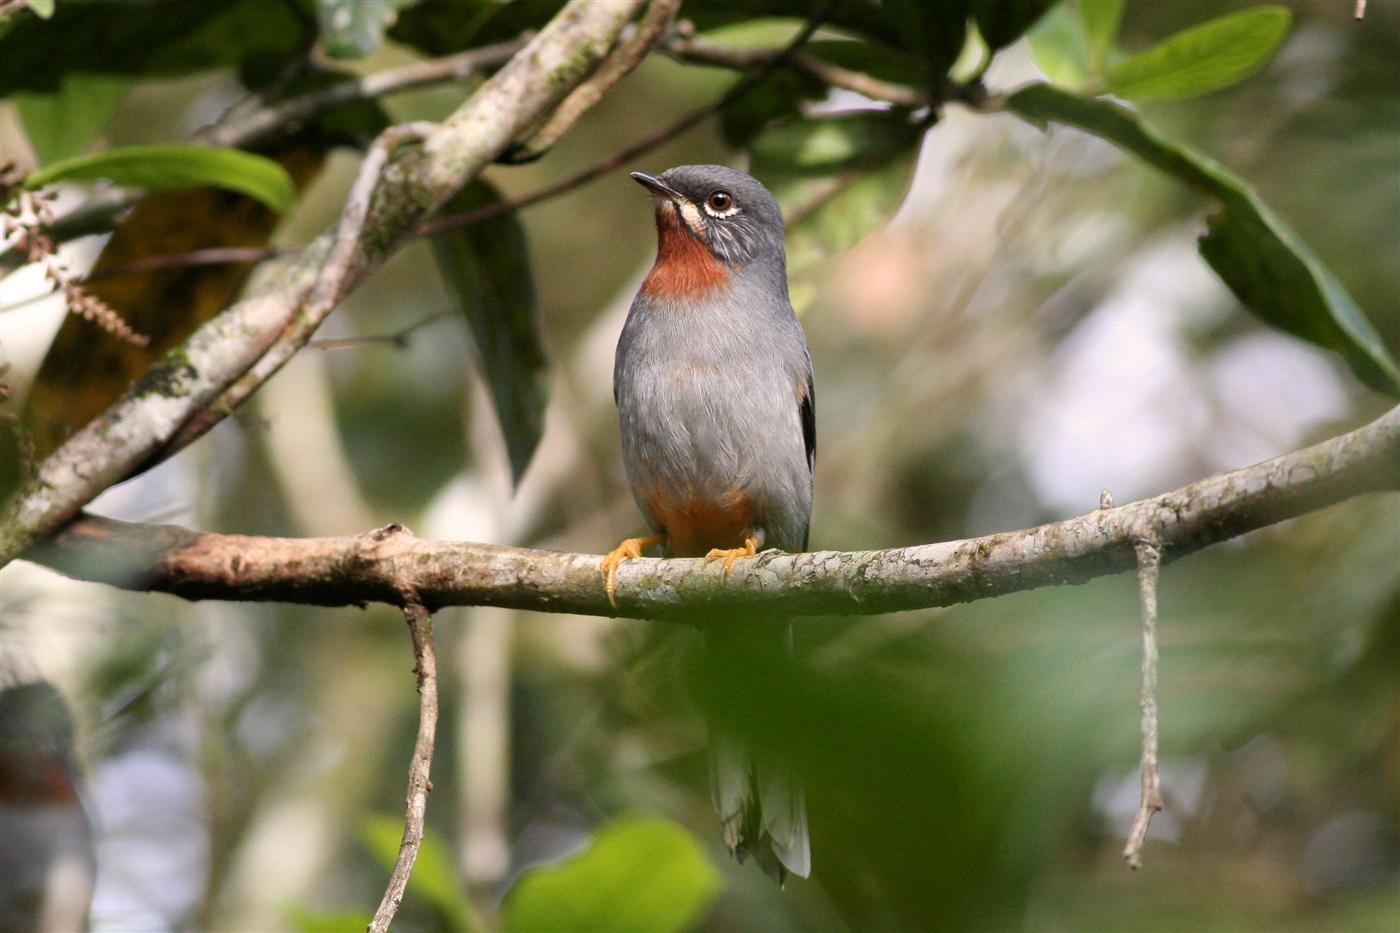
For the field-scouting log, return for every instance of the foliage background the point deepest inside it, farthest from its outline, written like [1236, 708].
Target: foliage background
[1032, 326]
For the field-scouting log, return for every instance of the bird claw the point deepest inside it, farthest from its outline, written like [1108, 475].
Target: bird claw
[628, 549]
[732, 554]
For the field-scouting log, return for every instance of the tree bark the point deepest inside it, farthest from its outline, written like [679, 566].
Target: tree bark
[375, 566]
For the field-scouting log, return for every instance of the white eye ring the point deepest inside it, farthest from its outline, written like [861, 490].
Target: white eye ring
[720, 203]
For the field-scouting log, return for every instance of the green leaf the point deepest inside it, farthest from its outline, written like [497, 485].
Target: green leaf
[777, 96]
[1204, 58]
[838, 179]
[434, 879]
[41, 8]
[642, 875]
[303, 920]
[1256, 254]
[1060, 47]
[487, 268]
[868, 56]
[355, 28]
[1002, 22]
[1101, 19]
[66, 122]
[178, 165]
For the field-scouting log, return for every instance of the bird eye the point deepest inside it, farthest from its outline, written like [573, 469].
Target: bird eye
[719, 201]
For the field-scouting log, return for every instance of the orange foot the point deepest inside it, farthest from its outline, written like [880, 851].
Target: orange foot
[628, 549]
[732, 554]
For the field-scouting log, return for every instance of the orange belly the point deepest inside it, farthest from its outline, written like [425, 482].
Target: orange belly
[694, 525]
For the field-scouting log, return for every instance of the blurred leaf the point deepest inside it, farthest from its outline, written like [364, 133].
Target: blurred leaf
[434, 878]
[1002, 22]
[442, 27]
[82, 373]
[841, 178]
[42, 8]
[167, 37]
[487, 268]
[822, 147]
[1101, 19]
[355, 28]
[777, 96]
[936, 30]
[66, 122]
[303, 920]
[178, 165]
[642, 875]
[1060, 48]
[1204, 58]
[907, 807]
[1266, 265]
[873, 18]
[869, 56]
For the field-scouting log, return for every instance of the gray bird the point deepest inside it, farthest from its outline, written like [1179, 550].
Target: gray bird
[713, 383]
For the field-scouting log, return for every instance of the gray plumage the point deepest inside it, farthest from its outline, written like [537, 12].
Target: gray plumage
[713, 383]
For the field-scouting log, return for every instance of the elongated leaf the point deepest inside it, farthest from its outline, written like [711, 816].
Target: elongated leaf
[1204, 58]
[178, 165]
[42, 8]
[638, 876]
[64, 123]
[1256, 254]
[1060, 47]
[1101, 19]
[487, 267]
[354, 28]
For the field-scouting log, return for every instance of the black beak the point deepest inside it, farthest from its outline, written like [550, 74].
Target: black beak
[656, 186]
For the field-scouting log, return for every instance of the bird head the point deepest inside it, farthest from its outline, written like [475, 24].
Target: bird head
[729, 213]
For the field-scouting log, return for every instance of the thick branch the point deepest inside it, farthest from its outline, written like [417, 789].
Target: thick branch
[372, 567]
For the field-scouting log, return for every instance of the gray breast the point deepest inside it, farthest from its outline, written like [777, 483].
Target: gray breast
[707, 398]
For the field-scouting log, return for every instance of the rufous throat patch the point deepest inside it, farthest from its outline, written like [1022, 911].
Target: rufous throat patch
[684, 267]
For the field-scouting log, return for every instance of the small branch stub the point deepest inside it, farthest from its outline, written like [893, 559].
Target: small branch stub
[1149, 562]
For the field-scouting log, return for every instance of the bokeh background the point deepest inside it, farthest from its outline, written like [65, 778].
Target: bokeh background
[1032, 326]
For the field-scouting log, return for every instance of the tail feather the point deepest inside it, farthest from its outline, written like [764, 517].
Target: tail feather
[761, 806]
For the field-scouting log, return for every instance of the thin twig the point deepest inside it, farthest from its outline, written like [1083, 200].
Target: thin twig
[628, 54]
[288, 115]
[1360, 9]
[325, 293]
[770, 60]
[398, 338]
[665, 134]
[242, 130]
[213, 256]
[420, 626]
[700, 51]
[1149, 562]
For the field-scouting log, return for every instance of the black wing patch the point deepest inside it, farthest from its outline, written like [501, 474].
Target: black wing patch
[807, 411]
